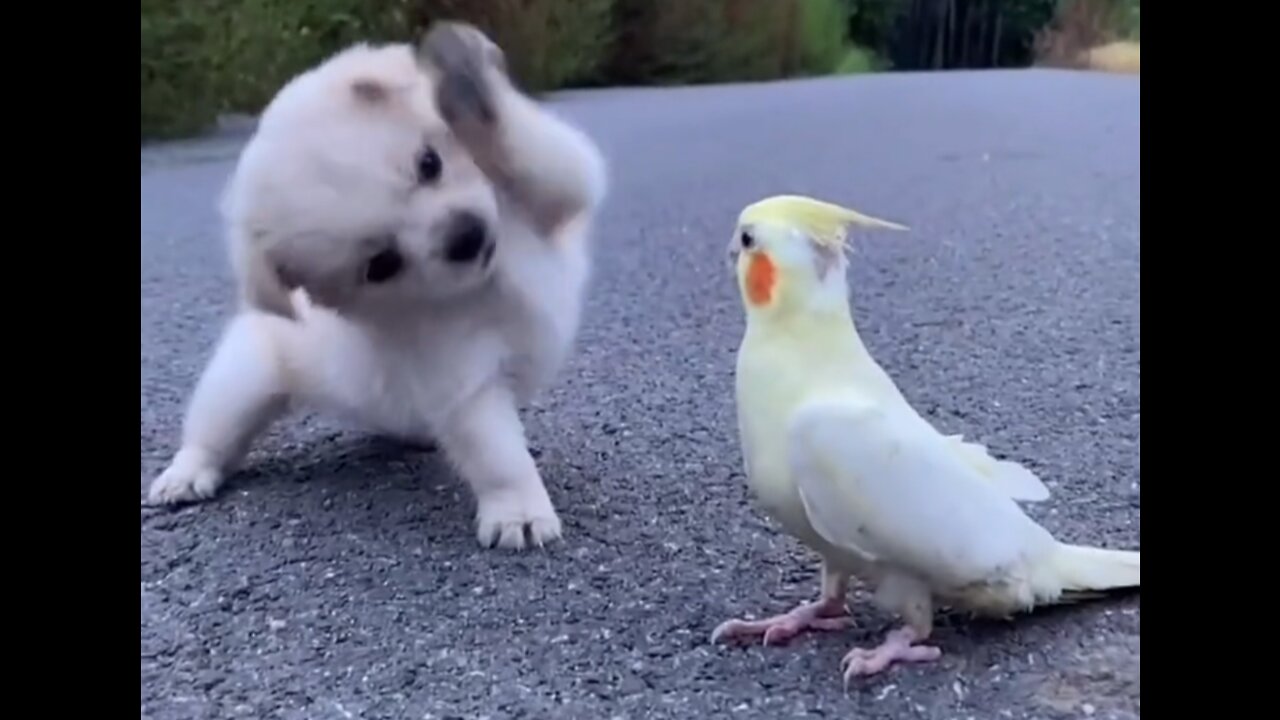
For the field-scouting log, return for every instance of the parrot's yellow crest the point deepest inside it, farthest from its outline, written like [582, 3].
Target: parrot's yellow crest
[826, 223]
[787, 247]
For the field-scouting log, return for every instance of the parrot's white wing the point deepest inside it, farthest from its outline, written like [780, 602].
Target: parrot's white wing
[882, 482]
[1013, 478]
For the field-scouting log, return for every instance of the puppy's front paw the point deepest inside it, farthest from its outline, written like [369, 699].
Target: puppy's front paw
[191, 477]
[465, 59]
[504, 518]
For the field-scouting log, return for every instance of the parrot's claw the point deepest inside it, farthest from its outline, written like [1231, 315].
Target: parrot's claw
[823, 615]
[897, 647]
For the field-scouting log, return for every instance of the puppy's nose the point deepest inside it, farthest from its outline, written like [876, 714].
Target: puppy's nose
[467, 238]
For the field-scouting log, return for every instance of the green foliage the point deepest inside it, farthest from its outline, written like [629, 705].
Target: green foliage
[823, 45]
[858, 60]
[697, 41]
[1129, 19]
[177, 87]
[871, 22]
[202, 58]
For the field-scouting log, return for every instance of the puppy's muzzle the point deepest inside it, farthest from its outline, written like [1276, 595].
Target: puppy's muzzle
[467, 239]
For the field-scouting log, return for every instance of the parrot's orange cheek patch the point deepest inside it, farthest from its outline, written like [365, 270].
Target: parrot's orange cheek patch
[762, 278]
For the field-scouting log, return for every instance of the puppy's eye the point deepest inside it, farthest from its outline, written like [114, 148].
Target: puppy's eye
[429, 166]
[383, 267]
[747, 240]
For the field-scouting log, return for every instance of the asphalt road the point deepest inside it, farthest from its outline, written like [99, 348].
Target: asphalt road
[337, 576]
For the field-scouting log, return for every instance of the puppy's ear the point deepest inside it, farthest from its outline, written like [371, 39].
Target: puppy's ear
[370, 91]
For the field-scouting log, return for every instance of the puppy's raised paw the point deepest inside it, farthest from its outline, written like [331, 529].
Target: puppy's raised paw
[465, 59]
[515, 521]
[189, 478]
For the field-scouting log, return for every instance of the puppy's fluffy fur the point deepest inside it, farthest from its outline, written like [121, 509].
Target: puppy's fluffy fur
[411, 239]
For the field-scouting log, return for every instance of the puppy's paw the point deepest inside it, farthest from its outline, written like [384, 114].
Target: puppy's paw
[191, 477]
[515, 520]
[468, 63]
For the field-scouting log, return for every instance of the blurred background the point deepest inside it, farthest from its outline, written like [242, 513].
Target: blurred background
[204, 59]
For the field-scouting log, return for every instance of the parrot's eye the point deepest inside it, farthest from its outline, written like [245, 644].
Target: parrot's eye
[747, 240]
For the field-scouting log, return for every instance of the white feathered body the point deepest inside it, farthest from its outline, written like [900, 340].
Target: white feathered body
[836, 454]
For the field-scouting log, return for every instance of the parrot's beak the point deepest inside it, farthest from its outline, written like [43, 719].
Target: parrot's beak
[734, 250]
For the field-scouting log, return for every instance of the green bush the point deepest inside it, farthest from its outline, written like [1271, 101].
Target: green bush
[696, 41]
[177, 89]
[665, 41]
[823, 32]
[201, 59]
[858, 60]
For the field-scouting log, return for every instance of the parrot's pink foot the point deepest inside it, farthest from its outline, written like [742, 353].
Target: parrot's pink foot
[898, 646]
[817, 615]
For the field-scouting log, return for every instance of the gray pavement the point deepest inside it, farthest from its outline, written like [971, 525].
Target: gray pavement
[337, 575]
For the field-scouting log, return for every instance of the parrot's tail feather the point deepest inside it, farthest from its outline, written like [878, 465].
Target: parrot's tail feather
[1084, 570]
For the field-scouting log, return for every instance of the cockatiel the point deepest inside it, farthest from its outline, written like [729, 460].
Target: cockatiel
[837, 456]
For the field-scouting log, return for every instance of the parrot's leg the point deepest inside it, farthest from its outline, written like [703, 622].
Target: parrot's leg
[913, 599]
[827, 613]
[898, 646]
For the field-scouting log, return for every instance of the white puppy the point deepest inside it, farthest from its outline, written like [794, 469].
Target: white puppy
[410, 234]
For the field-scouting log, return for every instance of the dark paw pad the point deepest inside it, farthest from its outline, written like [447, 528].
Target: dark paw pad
[462, 55]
